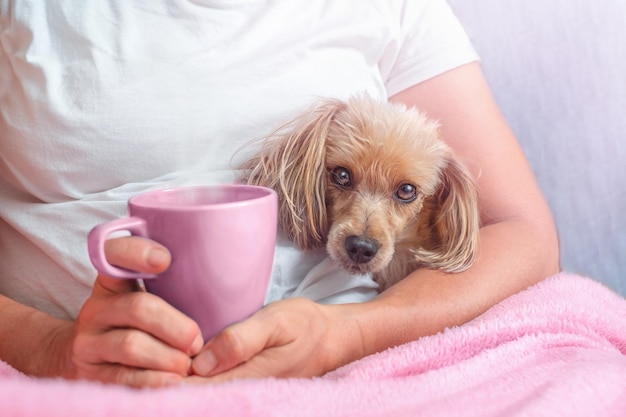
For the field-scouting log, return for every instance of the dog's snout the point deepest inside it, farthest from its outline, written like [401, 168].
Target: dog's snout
[361, 249]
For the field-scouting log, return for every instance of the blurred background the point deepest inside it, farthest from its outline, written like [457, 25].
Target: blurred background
[558, 71]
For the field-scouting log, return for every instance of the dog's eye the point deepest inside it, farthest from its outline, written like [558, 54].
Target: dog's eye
[340, 176]
[406, 193]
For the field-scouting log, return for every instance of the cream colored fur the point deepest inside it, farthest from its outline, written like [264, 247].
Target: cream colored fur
[338, 170]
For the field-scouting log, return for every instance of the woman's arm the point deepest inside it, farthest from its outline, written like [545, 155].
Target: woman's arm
[518, 248]
[31, 340]
[519, 244]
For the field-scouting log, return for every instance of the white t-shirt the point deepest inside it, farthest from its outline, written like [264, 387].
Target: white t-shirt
[102, 100]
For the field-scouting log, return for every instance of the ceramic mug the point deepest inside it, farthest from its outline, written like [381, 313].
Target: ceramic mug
[221, 239]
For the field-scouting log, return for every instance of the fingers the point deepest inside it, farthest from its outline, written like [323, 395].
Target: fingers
[135, 378]
[141, 311]
[294, 337]
[140, 379]
[144, 312]
[235, 345]
[128, 337]
[120, 338]
[130, 348]
[132, 338]
[137, 254]
[276, 361]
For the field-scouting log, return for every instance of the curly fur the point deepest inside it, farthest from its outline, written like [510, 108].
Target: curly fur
[383, 150]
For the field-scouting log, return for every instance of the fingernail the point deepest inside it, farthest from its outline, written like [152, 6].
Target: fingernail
[197, 344]
[158, 257]
[204, 363]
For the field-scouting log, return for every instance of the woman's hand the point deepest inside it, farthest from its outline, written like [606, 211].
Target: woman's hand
[289, 338]
[128, 337]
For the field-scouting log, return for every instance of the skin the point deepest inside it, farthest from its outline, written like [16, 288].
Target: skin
[120, 336]
[117, 339]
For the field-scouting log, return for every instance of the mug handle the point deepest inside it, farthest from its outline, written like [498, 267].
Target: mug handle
[99, 234]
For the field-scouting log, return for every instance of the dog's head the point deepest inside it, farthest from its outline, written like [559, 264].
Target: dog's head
[368, 180]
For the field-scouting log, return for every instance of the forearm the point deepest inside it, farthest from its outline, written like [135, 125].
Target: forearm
[514, 254]
[31, 340]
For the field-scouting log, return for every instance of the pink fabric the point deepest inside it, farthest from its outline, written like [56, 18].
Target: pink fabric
[558, 348]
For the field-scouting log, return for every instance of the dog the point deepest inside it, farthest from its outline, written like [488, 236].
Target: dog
[373, 183]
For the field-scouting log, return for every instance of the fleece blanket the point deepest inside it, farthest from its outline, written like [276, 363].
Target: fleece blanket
[556, 349]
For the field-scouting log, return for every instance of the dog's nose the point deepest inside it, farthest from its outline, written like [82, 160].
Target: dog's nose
[361, 249]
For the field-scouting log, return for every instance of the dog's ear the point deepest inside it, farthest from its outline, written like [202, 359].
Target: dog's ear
[452, 222]
[292, 162]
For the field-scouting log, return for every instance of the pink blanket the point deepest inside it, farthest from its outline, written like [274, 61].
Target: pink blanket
[556, 349]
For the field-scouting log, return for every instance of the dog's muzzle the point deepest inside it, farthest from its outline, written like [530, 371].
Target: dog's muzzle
[361, 249]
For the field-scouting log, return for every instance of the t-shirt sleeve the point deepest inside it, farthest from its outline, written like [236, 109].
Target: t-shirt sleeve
[431, 41]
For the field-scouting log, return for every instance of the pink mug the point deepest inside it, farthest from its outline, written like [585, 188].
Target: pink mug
[221, 239]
